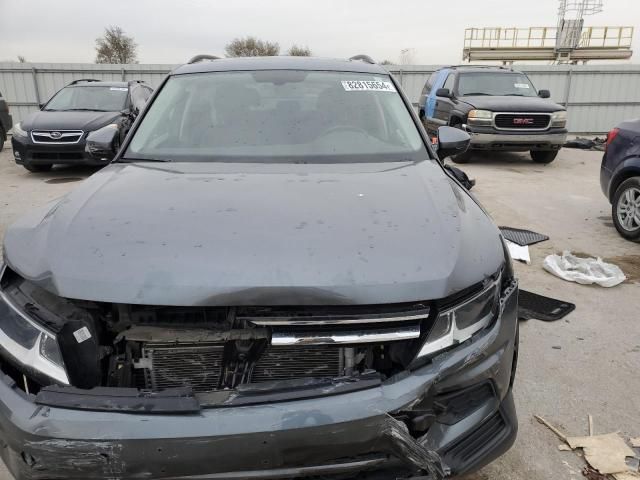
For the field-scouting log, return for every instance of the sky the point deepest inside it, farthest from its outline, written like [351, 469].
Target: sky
[173, 31]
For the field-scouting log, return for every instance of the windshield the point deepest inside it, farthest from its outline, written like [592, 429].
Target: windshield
[284, 115]
[102, 99]
[490, 83]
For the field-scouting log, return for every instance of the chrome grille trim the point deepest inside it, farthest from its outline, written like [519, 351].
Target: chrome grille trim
[521, 114]
[67, 137]
[345, 337]
[335, 320]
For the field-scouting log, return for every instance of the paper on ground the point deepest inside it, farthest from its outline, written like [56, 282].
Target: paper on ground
[519, 253]
[605, 453]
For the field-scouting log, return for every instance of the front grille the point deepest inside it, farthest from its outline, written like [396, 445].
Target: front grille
[522, 121]
[196, 366]
[56, 136]
[286, 363]
[53, 156]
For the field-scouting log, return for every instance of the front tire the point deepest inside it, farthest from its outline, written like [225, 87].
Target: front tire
[43, 167]
[543, 156]
[625, 209]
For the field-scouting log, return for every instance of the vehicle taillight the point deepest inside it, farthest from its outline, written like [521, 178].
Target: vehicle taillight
[610, 136]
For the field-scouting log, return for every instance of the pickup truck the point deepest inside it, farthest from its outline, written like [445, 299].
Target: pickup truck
[499, 108]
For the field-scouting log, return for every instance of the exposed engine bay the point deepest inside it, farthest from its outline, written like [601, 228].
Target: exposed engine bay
[210, 349]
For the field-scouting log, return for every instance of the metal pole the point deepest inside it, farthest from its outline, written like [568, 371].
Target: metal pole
[567, 88]
[35, 84]
[123, 74]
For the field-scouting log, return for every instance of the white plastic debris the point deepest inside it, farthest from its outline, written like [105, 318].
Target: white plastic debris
[519, 253]
[584, 270]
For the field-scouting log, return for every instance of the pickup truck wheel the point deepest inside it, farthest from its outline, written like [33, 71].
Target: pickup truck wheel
[625, 209]
[43, 167]
[544, 156]
[462, 157]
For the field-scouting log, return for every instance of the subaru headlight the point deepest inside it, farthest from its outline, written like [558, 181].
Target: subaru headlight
[28, 343]
[18, 131]
[460, 322]
[559, 118]
[480, 117]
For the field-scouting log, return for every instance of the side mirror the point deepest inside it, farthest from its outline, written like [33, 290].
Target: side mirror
[544, 93]
[102, 144]
[443, 92]
[452, 141]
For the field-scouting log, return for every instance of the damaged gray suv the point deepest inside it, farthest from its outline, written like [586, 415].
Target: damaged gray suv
[274, 278]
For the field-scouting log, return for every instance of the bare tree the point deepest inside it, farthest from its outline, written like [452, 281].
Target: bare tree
[21, 59]
[116, 47]
[386, 62]
[251, 47]
[299, 51]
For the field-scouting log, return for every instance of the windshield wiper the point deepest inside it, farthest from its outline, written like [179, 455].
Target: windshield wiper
[132, 159]
[476, 93]
[514, 95]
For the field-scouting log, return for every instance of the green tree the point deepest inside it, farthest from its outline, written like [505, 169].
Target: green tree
[299, 51]
[251, 47]
[116, 47]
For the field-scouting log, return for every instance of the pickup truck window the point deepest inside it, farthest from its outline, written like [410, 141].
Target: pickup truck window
[495, 83]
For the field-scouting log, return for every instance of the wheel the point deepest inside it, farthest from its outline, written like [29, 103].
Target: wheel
[625, 209]
[544, 156]
[3, 137]
[43, 167]
[462, 157]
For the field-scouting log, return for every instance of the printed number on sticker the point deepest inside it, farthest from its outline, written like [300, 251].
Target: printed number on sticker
[367, 85]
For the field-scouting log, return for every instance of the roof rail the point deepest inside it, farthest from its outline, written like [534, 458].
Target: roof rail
[470, 65]
[199, 58]
[84, 80]
[363, 58]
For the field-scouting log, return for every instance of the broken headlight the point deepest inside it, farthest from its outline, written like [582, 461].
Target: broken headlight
[28, 343]
[459, 323]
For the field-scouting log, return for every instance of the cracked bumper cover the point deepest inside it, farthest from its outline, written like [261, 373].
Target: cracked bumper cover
[342, 433]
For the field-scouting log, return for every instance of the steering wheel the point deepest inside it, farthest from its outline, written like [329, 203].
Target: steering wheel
[336, 128]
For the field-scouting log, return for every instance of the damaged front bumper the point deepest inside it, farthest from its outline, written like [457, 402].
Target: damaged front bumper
[448, 417]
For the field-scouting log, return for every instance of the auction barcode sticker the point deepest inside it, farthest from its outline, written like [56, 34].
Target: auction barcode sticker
[367, 85]
[82, 334]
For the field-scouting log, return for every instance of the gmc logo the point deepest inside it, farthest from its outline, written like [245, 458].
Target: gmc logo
[523, 121]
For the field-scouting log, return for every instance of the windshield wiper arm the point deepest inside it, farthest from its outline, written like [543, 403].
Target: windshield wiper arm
[513, 95]
[476, 93]
[132, 159]
[85, 110]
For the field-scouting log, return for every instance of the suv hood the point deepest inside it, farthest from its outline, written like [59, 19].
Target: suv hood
[86, 121]
[258, 234]
[512, 104]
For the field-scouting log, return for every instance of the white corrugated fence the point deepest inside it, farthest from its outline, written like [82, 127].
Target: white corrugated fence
[597, 96]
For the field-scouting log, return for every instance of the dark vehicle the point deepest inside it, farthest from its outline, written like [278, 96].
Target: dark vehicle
[275, 278]
[58, 132]
[620, 177]
[500, 109]
[5, 121]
